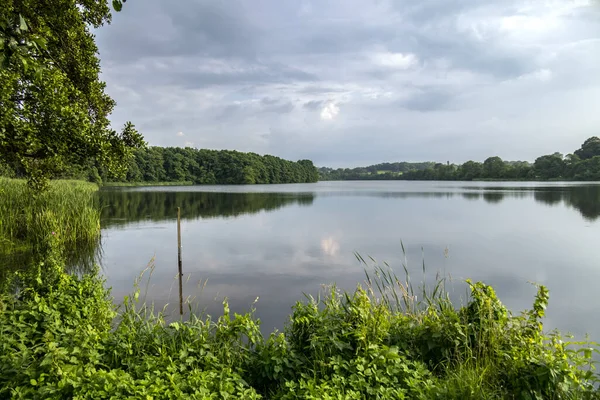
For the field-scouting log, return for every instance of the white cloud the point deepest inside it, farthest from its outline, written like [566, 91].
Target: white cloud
[523, 23]
[329, 112]
[180, 134]
[189, 144]
[395, 60]
[542, 75]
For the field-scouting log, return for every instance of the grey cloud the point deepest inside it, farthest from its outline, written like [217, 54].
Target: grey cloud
[429, 99]
[251, 109]
[218, 29]
[314, 104]
[276, 106]
[227, 72]
[256, 74]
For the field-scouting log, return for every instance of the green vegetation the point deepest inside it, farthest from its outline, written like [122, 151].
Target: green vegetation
[61, 338]
[582, 165]
[174, 164]
[53, 108]
[67, 214]
[163, 166]
[68, 211]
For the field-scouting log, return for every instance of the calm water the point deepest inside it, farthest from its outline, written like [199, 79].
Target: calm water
[277, 242]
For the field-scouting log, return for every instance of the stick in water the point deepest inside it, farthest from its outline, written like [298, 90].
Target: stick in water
[179, 260]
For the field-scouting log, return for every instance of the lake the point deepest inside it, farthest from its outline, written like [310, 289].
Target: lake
[277, 242]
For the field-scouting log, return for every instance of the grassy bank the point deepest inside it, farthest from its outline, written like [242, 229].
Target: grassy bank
[61, 338]
[67, 212]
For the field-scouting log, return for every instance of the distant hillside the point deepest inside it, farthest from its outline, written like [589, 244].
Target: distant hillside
[383, 171]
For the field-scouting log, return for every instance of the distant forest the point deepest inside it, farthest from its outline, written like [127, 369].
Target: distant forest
[582, 165]
[175, 164]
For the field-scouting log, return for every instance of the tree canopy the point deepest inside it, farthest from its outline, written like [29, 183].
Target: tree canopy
[176, 164]
[53, 107]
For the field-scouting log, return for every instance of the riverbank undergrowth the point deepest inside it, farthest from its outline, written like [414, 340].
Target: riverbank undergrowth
[61, 337]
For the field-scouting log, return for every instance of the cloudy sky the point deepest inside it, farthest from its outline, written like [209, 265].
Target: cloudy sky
[356, 82]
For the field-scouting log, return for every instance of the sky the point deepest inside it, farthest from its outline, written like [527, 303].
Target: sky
[356, 82]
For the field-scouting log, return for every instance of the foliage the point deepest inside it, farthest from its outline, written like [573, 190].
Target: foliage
[174, 164]
[53, 108]
[589, 149]
[583, 165]
[550, 166]
[60, 338]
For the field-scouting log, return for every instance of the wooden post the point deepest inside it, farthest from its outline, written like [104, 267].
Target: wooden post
[179, 265]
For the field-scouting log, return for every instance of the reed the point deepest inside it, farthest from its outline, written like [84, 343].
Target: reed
[66, 215]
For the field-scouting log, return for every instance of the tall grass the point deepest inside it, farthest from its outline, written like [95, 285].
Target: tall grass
[66, 215]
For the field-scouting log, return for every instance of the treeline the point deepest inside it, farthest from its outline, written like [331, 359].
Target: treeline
[381, 171]
[175, 164]
[493, 168]
[582, 165]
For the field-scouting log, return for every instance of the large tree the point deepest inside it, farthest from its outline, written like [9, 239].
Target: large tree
[590, 148]
[53, 108]
[550, 166]
[494, 168]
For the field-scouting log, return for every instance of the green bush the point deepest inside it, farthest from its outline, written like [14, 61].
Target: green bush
[60, 337]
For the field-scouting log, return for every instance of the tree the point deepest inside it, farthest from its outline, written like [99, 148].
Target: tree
[589, 148]
[53, 108]
[549, 166]
[470, 170]
[493, 168]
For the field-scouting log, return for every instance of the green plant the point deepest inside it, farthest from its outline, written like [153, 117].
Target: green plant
[61, 337]
[66, 216]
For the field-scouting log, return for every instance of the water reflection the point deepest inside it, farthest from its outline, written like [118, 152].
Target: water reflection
[121, 206]
[79, 259]
[583, 198]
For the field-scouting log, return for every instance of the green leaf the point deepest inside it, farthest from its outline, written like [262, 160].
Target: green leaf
[117, 5]
[22, 23]
[33, 382]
